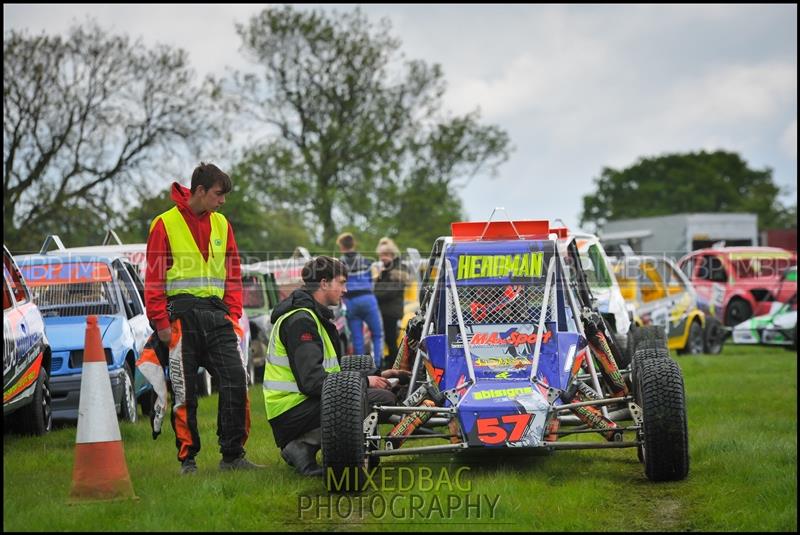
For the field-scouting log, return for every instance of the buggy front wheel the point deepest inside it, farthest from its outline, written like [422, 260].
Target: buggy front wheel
[664, 435]
[344, 452]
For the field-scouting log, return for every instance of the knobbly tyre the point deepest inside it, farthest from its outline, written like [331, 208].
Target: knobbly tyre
[507, 352]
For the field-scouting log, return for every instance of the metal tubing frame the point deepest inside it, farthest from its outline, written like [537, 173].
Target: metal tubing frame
[434, 421]
[445, 448]
[421, 408]
[576, 312]
[584, 431]
[615, 416]
[601, 402]
[428, 315]
[419, 449]
[542, 313]
[588, 445]
[461, 327]
[407, 437]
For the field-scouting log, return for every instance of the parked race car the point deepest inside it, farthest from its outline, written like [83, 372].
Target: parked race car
[507, 353]
[735, 283]
[68, 287]
[26, 356]
[778, 327]
[660, 294]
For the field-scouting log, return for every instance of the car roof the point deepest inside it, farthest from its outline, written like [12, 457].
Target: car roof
[118, 250]
[742, 249]
[66, 256]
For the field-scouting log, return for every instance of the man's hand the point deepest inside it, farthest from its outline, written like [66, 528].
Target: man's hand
[378, 382]
[388, 374]
[165, 335]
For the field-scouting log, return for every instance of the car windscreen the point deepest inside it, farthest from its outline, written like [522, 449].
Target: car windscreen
[252, 291]
[759, 266]
[72, 288]
[597, 275]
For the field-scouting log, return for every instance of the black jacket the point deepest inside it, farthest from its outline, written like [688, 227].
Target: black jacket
[390, 288]
[301, 339]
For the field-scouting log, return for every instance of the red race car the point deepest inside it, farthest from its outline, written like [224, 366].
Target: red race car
[735, 283]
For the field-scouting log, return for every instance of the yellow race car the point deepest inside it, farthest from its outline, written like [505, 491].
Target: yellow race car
[660, 294]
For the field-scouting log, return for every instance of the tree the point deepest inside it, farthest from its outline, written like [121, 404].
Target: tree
[86, 120]
[358, 138]
[702, 181]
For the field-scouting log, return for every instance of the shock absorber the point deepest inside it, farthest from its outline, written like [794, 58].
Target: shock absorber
[601, 348]
[408, 424]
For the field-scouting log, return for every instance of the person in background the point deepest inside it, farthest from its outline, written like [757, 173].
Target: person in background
[390, 286]
[362, 307]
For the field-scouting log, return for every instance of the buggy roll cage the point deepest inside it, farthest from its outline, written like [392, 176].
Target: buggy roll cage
[578, 294]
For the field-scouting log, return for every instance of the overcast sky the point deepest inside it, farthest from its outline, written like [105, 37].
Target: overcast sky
[577, 87]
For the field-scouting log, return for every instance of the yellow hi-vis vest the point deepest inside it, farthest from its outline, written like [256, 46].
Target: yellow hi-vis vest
[281, 392]
[190, 273]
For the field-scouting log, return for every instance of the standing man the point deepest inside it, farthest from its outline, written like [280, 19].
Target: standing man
[303, 350]
[193, 296]
[360, 301]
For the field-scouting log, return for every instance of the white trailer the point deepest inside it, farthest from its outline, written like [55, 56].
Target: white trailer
[679, 234]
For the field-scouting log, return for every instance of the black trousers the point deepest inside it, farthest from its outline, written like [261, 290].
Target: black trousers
[306, 416]
[390, 331]
[203, 335]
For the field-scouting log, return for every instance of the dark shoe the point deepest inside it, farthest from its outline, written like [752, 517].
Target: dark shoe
[240, 463]
[303, 458]
[188, 466]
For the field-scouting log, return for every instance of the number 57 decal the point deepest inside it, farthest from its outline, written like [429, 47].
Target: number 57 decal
[491, 431]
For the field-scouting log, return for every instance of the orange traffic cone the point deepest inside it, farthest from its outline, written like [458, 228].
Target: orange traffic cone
[100, 472]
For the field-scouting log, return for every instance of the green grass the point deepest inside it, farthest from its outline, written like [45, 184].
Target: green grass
[743, 475]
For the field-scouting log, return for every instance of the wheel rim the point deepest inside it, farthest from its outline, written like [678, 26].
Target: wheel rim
[696, 343]
[130, 398]
[47, 411]
[715, 338]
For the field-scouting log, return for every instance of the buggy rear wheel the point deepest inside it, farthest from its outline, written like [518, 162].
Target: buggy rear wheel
[648, 336]
[621, 343]
[344, 452]
[357, 363]
[664, 435]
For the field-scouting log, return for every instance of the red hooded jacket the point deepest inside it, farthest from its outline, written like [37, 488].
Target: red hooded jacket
[159, 260]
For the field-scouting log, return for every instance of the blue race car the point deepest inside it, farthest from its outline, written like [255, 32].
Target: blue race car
[508, 352]
[68, 287]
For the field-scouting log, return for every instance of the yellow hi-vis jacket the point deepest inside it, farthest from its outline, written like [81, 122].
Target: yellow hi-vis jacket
[281, 392]
[190, 273]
